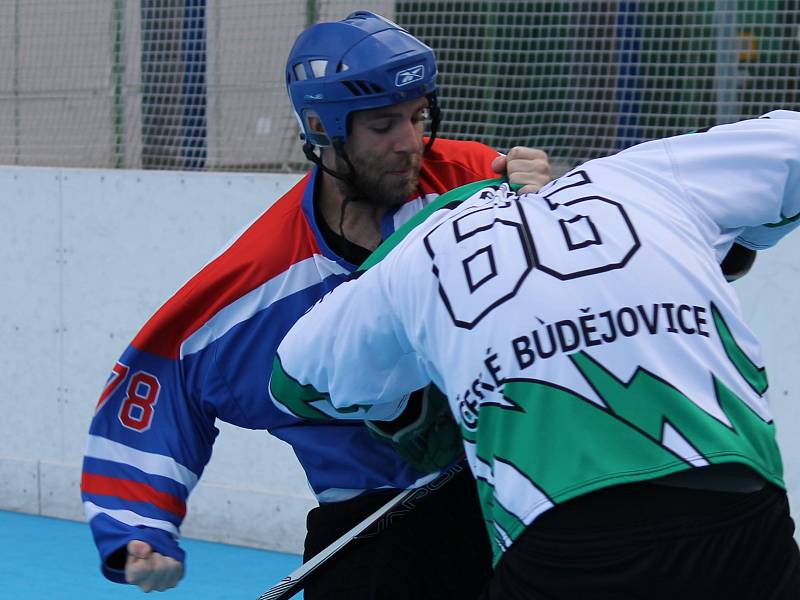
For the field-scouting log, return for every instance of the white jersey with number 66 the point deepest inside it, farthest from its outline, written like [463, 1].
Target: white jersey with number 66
[585, 336]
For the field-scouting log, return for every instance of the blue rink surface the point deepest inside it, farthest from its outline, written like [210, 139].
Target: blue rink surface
[49, 558]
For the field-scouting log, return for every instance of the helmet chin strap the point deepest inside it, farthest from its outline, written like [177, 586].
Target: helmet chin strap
[348, 178]
[436, 118]
[338, 147]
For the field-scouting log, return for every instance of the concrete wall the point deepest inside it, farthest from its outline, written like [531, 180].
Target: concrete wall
[770, 294]
[87, 256]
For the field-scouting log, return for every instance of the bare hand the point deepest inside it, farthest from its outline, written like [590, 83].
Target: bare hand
[528, 167]
[149, 569]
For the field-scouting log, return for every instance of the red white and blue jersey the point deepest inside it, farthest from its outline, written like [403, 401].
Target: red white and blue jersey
[205, 355]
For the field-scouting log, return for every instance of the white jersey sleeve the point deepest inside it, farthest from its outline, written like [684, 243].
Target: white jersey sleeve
[585, 336]
[741, 180]
[354, 350]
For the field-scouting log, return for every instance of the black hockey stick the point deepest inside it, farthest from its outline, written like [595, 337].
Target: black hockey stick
[401, 504]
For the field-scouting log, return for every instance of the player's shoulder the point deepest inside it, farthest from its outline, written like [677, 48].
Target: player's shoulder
[459, 151]
[277, 239]
[451, 163]
[284, 220]
[288, 206]
[790, 115]
[265, 251]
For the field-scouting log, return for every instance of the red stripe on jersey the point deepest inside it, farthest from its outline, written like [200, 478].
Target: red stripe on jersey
[131, 490]
[451, 164]
[280, 238]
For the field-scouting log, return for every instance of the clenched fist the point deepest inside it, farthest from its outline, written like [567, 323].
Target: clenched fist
[529, 167]
[150, 570]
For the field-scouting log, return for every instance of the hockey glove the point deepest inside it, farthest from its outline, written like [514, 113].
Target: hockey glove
[425, 434]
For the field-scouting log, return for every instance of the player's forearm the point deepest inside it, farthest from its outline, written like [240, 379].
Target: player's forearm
[342, 359]
[291, 390]
[145, 452]
[112, 539]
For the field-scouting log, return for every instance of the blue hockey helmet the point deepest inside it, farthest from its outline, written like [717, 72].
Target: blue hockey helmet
[361, 62]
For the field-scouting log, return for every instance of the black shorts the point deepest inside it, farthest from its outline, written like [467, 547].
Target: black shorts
[650, 542]
[439, 549]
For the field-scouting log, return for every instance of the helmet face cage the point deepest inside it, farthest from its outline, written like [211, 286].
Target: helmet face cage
[362, 62]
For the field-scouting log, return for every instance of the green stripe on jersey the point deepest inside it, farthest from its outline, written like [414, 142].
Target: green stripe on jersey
[458, 194]
[650, 403]
[590, 447]
[646, 428]
[755, 376]
[305, 401]
[295, 397]
[784, 221]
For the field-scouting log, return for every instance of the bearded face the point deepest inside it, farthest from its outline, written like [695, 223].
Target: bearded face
[385, 147]
[384, 181]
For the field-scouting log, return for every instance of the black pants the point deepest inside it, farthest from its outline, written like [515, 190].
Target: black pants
[438, 550]
[649, 542]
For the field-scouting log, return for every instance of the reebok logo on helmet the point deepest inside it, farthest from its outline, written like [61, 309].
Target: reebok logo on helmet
[409, 75]
[360, 63]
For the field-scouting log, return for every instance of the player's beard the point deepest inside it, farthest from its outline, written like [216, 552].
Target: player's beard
[379, 182]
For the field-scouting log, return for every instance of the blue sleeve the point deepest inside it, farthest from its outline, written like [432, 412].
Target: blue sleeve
[149, 442]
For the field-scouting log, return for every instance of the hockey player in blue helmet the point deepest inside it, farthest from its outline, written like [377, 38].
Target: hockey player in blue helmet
[363, 89]
[375, 65]
[339, 75]
[364, 92]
